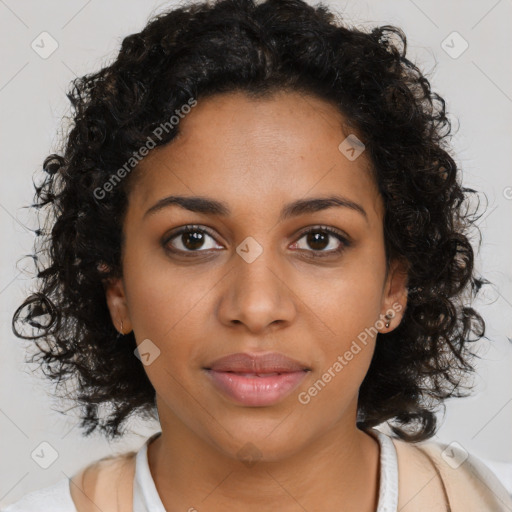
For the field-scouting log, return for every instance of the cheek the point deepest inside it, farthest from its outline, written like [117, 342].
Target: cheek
[343, 359]
[349, 309]
[361, 287]
[169, 306]
[162, 298]
[351, 302]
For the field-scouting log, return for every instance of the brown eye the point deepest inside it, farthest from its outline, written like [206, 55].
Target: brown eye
[322, 240]
[190, 239]
[317, 240]
[193, 240]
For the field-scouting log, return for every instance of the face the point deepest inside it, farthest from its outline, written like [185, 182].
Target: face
[255, 276]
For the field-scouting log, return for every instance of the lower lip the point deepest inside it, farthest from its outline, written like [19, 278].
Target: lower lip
[256, 391]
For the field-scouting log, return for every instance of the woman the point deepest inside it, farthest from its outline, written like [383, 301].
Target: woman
[262, 203]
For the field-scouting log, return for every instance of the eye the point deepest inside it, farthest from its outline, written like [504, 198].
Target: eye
[324, 241]
[189, 239]
[321, 238]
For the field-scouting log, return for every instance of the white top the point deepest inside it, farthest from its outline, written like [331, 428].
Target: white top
[57, 498]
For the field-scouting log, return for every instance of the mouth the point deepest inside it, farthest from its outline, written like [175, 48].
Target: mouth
[256, 380]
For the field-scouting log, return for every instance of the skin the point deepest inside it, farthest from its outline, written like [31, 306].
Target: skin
[256, 156]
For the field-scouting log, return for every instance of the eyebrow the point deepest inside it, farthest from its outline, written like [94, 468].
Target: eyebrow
[209, 206]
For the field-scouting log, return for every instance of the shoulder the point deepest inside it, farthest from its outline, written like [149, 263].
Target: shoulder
[433, 476]
[56, 498]
[104, 485]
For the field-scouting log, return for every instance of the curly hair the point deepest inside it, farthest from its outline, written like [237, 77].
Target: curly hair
[259, 48]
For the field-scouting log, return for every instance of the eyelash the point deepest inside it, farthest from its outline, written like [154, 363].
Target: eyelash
[315, 254]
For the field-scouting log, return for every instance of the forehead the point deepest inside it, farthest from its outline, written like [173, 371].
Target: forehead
[256, 152]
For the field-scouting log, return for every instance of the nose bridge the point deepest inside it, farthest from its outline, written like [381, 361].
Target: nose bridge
[258, 296]
[257, 268]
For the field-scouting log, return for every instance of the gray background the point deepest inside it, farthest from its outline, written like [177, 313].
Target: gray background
[476, 85]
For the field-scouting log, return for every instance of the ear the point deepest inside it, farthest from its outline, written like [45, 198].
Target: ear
[394, 297]
[117, 305]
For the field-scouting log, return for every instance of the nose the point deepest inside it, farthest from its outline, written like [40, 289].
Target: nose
[257, 294]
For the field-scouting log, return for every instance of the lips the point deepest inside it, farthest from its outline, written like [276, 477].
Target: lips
[256, 379]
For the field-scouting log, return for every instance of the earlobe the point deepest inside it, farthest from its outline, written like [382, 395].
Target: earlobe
[395, 295]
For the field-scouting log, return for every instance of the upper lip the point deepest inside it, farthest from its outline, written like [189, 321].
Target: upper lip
[244, 362]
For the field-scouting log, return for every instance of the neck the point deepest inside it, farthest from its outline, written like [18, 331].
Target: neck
[341, 466]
